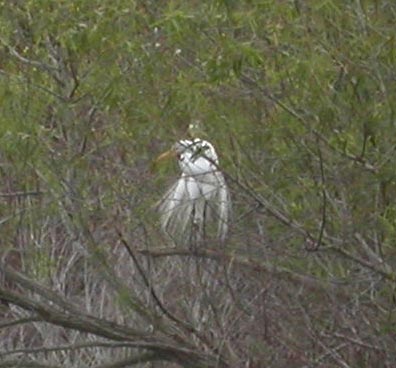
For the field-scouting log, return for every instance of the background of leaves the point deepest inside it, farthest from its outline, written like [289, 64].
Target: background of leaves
[298, 98]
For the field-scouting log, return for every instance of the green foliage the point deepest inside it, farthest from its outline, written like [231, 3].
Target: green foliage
[286, 72]
[298, 97]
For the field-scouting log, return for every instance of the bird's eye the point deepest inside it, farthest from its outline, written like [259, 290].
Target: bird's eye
[198, 152]
[202, 149]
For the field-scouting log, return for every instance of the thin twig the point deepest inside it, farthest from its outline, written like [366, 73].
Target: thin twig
[18, 322]
[357, 159]
[20, 194]
[138, 359]
[189, 328]
[74, 347]
[25, 364]
[253, 265]
[324, 201]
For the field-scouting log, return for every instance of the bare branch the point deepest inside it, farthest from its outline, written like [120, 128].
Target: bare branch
[357, 159]
[34, 85]
[139, 359]
[73, 347]
[25, 364]
[324, 201]
[187, 327]
[386, 273]
[251, 264]
[34, 63]
[17, 322]
[20, 194]
[69, 318]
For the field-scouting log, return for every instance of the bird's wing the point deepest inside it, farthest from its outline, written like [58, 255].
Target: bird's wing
[177, 206]
[214, 204]
[224, 206]
[194, 203]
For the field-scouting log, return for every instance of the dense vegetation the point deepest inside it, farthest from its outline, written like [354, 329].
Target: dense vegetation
[299, 99]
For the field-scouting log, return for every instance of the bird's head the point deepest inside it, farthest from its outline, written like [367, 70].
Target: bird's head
[195, 149]
[191, 152]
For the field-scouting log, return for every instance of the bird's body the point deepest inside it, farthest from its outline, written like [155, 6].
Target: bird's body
[200, 196]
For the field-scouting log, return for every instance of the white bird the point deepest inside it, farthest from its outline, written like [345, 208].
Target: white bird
[199, 198]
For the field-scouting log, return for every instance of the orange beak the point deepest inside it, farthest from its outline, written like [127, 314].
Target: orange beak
[163, 157]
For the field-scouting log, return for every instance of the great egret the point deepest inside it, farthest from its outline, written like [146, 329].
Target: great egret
[200, 196]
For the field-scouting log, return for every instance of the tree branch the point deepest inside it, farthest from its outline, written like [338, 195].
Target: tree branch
[67, 317]
[253, 265]
[20, 363]
[20, 194]
[187, 327]
[90, 345]
[139, 359]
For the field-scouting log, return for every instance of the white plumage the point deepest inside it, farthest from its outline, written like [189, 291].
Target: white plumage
[200, 196]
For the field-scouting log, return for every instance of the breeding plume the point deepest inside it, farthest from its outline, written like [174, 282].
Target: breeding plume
[199, 200]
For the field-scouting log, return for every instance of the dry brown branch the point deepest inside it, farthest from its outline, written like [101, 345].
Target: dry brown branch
[138, 359]
[61, 313]
[19, 321]
[25, 364]
[252, 265]
[20, 194]
[69, 348]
